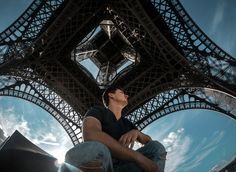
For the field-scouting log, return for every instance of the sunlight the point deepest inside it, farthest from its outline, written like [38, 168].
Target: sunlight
[59, 154]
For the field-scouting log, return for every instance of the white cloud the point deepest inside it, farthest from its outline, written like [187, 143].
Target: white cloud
[170, 141]
[182, 156]
[177, 146]
[184, 152]
[60, 147]
[220, 29]
[218, 16]
[215, 139]
[10, 123]
[203, 150]
[55, 138]
[181, 130]
[10, 109]
[167, 124]
[197, 160]
[48, 143]
[50, 137]
[2, 136]
[44, 139]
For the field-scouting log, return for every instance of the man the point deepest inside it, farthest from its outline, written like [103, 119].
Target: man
[108, 134]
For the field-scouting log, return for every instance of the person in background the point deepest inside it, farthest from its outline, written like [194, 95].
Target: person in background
[108, 139]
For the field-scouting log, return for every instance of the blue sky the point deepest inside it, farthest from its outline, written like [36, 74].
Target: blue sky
[35, 124]
[196, 140]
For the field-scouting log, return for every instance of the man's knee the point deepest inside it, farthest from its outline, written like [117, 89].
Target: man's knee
[87, 152]
[158, 148]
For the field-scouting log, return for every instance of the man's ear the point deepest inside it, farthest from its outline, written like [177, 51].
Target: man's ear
[110, 95]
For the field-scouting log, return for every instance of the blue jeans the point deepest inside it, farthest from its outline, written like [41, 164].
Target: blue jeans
[95, 151]
[87, 152]
[153, 150]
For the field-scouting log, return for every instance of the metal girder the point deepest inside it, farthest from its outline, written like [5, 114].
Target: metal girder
[181, 99]
[69, 28]
[70, 83]
[175, 65]
[19, 36]
[201, 53]
[47, 99]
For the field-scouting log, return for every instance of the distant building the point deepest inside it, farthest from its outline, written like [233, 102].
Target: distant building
[231, 167]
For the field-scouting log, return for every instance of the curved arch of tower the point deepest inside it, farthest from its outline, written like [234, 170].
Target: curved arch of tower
[151, 48]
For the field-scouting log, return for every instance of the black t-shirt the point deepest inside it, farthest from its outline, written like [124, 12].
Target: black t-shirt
[110, 125]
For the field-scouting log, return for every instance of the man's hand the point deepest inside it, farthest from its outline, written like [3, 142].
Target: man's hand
[133, 135]
[129, 138]
[143, 138]
[92, 130]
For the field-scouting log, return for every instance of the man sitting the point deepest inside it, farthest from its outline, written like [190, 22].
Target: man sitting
[108, 137]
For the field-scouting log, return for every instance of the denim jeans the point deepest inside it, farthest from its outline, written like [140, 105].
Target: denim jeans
[153, 150]
[95, 151]
[87, 152]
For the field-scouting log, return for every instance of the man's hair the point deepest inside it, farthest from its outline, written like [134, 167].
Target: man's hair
[105, 96]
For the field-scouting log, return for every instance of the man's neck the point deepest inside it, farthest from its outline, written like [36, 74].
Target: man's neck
[116, 109]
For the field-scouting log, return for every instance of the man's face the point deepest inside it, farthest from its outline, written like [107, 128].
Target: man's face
[120, 97]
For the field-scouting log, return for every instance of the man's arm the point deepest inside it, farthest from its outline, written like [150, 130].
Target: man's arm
[133, 135]
[92, 131]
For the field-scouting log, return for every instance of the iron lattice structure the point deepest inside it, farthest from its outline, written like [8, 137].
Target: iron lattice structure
[152, 48]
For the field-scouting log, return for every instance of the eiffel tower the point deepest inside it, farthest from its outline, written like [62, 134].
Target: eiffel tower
[152, 48]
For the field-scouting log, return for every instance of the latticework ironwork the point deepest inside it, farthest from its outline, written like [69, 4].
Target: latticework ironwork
[151, 48]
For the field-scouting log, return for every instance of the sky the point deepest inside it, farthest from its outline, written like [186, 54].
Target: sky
[196, 140]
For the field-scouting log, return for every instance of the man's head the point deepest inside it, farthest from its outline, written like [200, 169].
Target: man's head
[114, 93]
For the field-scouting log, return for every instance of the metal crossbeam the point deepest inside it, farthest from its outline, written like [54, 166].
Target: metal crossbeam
[168, 63]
